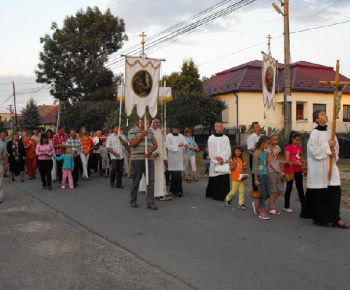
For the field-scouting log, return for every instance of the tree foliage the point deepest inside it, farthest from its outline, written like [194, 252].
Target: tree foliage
[30, 118]
[187, 80]
[193, 109]
[73, 59]
[92, 115]
[191, 106]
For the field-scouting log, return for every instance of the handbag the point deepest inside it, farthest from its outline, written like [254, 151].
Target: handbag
[224, 168]
[288, 177]
[255, 193]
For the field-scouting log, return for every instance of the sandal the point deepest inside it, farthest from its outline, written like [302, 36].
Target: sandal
[342, 225]
[134, 205]
[195, 179]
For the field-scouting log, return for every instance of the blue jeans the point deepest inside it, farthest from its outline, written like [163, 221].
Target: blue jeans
[264, 189]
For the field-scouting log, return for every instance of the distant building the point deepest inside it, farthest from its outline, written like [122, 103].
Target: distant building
[48, 115]
[241, 88]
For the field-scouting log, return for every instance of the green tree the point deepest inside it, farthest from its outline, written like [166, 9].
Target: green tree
[90, 114]
[191, 106]
[187, 80]
[73, 59]
[31, 118]
[192, 109]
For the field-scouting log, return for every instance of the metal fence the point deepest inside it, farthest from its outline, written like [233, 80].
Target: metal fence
[344, 147]
[201, 136]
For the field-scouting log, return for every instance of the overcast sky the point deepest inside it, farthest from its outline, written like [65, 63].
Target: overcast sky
[319, 34]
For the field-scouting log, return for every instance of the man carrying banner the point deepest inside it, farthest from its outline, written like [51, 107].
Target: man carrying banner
[137, 144]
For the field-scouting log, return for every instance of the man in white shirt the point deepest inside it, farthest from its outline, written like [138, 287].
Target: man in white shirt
[115, 148]
[251, 141]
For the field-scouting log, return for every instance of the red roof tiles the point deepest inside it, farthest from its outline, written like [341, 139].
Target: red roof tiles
[305, 76]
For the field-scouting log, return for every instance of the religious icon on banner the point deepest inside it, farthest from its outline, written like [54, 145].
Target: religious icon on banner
[142, 83]
[269, 80]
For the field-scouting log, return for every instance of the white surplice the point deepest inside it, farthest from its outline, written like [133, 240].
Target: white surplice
[218, 147]
[318, 153]
[175, 153]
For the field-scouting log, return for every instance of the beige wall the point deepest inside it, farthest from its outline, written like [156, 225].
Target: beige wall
[250, 108]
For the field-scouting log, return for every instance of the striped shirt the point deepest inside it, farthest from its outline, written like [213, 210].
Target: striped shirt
[138, 152]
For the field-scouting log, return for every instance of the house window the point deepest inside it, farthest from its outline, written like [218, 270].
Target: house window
[300, 112]
[225, 116]
[346, 113]
[321, 107]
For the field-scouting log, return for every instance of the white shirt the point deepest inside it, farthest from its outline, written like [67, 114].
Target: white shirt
[218, 147]
[252, 140]
[114, 143]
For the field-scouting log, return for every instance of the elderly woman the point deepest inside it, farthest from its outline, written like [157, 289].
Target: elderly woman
[16, 153]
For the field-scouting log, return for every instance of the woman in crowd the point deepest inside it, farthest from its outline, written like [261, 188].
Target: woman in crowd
[45, 151]
[54, 171]
[85, 154]
[190, 156]
[29, 146]
[16, 153]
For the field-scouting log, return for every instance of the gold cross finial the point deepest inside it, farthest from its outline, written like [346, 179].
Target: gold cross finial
[268, 44]
[143, 35]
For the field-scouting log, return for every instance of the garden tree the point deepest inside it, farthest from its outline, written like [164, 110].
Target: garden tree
[31, 118]
[187, 80]
[191, 109]
[73, 58]
[191, 106]
[92, 115]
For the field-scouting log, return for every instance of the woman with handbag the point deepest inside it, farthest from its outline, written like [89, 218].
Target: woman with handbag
[261, 176]
[294, 165]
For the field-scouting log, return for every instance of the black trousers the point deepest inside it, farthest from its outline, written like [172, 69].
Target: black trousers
[117, 170]
[59, 165]
[298, 176]
[45, 167]
[75, 173]
[254, 187]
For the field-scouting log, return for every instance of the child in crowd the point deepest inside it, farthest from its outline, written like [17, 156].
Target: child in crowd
[104, 157]
[67, 168]
[294, 163]
[277, 186]
[261, 176]
[206, 161]
[237, 165]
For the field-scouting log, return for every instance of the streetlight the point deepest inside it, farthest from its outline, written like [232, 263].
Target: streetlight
[287, 73]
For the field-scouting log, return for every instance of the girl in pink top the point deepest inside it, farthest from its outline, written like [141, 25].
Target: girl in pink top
[44, 150]
[294, 163]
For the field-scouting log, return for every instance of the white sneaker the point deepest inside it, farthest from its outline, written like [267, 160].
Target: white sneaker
[63, 187]
[264, 217]
[274, 211]
[165, 197]
[288, 209]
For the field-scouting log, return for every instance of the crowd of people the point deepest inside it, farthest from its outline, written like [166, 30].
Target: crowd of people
[155, 159]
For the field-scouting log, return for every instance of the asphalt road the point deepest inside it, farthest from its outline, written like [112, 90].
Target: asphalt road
[189, 242]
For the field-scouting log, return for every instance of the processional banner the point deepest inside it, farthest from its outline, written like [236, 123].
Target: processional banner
[269, 80]
[142, 77]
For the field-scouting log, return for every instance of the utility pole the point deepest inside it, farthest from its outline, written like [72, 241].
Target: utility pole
[10, 109]
[287, 72]
[14, 99]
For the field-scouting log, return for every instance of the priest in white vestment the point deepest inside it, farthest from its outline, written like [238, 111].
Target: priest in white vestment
[176, 145]
[323, 196]
[219, 153]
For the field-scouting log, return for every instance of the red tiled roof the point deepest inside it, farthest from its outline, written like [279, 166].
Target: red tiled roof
[305, 76]
[51, 117]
